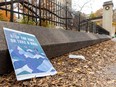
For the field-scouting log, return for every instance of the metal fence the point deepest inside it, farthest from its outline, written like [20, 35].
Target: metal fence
[47, 13]
[89, 26]
[42, 12]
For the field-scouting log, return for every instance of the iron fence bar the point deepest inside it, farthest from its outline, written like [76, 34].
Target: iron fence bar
[79, 22]
[11, 12]
[66, 17]
[6, 7]
[32, 12]
[36, 12]
[23, 10]
[28, 13]
[40, 23]
[43, 11]
[92, 26]
[46, 12]
[51, 9]
[18, 10]
[54, 11]
[87, 26]
[60, 14]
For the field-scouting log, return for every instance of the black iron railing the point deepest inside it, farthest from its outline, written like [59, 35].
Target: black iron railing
[48, 13]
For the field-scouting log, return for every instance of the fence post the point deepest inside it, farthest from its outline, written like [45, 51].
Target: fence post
[6, 7]
[66, 16]
[40, 13]
[87, 26]
[79, 22]
[11, 12]
[92, 27]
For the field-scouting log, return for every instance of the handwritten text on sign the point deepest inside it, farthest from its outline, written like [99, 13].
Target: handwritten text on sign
[14, 38]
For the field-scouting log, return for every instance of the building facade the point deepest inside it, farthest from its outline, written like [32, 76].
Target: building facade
[69, 2]
[108, 21]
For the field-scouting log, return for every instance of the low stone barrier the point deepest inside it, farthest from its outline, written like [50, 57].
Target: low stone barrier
[55, 42]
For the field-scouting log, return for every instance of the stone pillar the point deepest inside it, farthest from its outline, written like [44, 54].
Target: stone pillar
[108, 17]
[113, 31]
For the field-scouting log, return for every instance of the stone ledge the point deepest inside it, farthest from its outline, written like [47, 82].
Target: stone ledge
[55, 42]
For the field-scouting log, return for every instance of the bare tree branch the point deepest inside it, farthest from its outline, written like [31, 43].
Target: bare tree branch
[84, 5]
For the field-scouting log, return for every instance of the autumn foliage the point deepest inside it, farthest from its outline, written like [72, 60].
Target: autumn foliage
[3, 16]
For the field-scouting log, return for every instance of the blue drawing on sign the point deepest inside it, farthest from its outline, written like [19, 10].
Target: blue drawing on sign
[30, 61]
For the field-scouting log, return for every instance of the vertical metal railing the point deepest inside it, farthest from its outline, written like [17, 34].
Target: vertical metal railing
[66, 16]
[40, 23]
[11, 12]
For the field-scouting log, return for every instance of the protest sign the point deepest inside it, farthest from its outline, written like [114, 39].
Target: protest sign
[27, 55]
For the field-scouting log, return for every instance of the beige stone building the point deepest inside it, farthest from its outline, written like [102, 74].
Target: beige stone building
[108, 16]
[69, 2]
[108, 21]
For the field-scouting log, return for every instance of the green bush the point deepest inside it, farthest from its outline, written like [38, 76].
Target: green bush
[25, 20]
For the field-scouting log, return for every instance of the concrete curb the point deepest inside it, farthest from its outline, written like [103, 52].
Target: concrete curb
[55, 42]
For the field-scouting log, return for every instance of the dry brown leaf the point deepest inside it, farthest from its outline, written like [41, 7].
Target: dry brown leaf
[60, 73]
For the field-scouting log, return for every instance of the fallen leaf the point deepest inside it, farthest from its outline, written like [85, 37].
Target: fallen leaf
[60, 73]
[91, 73]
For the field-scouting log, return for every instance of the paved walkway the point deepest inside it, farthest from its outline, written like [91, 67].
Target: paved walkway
[108, 73]
[114, 39]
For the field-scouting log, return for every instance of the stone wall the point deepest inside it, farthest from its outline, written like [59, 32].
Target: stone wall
[55, 42]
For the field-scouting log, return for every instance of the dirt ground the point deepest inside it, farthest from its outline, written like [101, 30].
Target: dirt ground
[98, 70]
